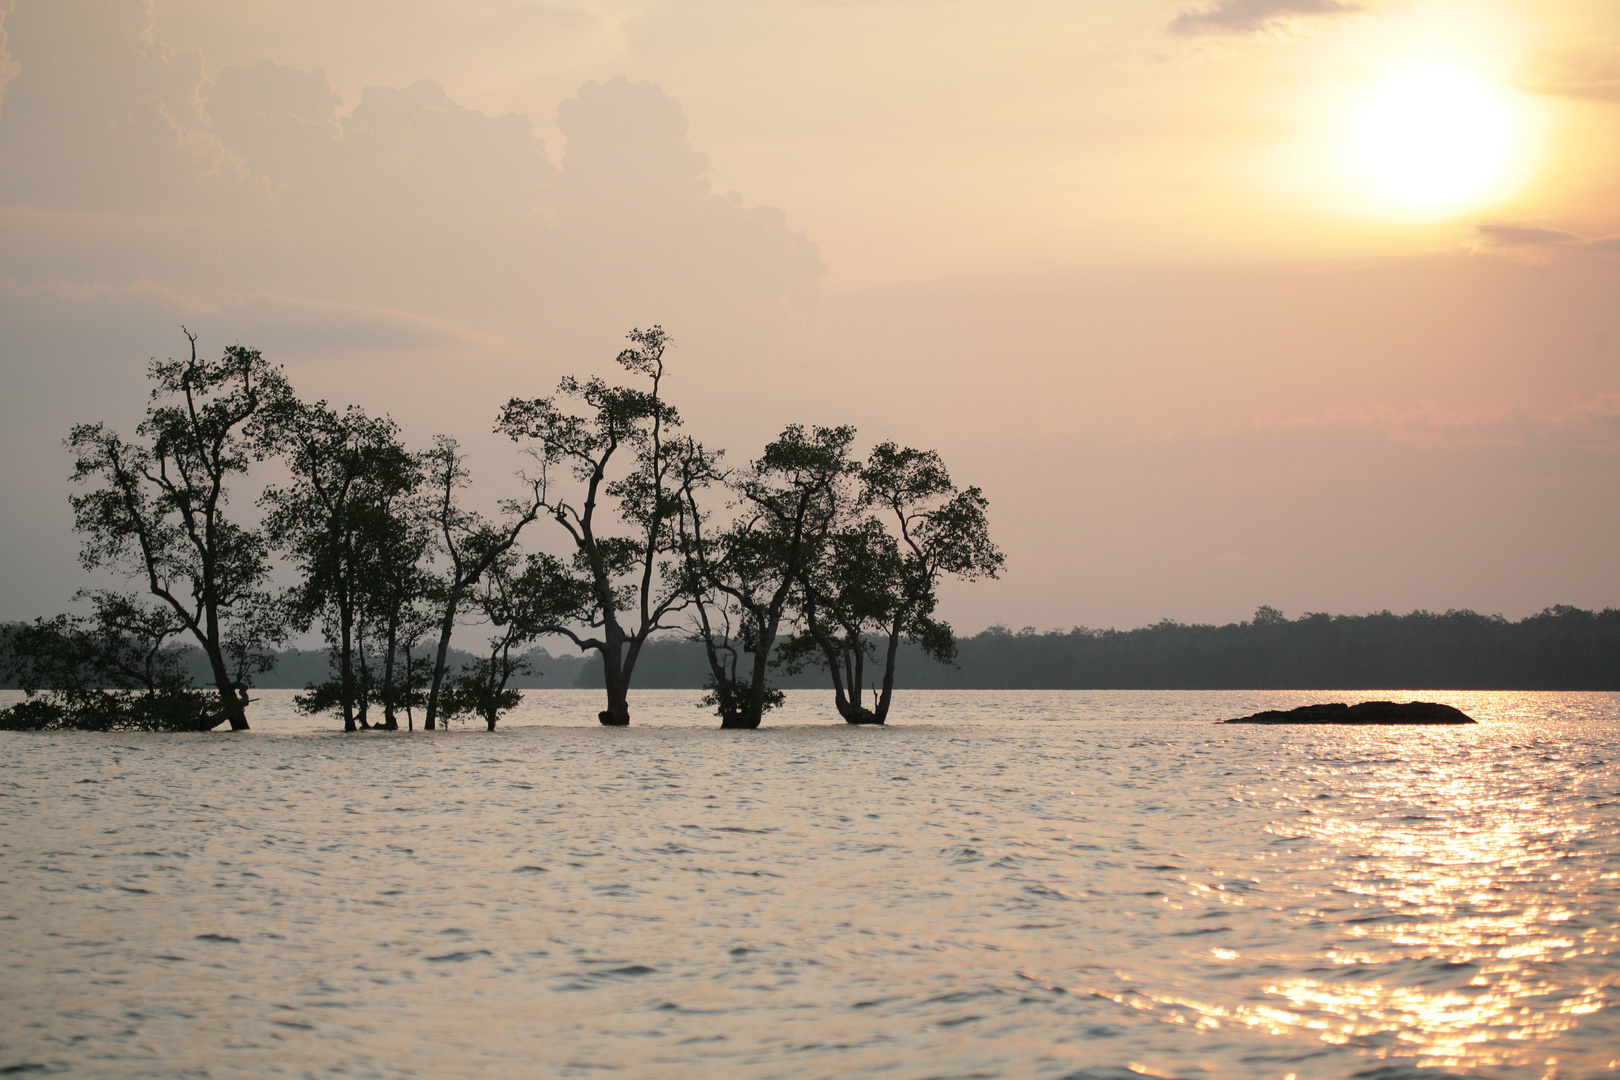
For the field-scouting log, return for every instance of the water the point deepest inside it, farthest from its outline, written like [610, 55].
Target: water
[1012, 885]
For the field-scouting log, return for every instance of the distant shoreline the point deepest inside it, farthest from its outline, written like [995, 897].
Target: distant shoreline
[1562, 648]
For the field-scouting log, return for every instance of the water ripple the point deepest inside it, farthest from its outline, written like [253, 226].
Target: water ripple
[1062, 886]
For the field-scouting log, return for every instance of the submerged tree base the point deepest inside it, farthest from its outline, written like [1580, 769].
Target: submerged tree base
[111, 711]
[1367, 712]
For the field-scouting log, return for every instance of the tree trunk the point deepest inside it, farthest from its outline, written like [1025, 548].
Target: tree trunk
[410, 691]
[846, 664]
[754, 710]
[390, 721]
[751, 712]
[838, 669]
[445, 630]
[886, 696]
[362, 686]
[500, 670]
[858, 712]
[851, 708]
[843, 665]
[615, 678]
[229, 702]
[617, 714]
[346, 665]
[854, 712]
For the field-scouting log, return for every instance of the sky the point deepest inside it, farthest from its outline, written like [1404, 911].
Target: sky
[1307, 303]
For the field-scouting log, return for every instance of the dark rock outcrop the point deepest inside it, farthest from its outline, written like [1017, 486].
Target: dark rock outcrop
[1368, 712]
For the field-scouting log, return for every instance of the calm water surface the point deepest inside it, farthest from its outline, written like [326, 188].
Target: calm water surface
[1080, 885]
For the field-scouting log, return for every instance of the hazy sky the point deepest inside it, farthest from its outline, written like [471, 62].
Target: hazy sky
[1313, 303]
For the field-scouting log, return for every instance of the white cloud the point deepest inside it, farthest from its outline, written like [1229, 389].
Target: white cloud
[1589, 70]
[1252, 16]
[1588, 426]
[1537, 244]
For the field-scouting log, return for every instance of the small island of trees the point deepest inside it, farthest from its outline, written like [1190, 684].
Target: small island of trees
[807, 555]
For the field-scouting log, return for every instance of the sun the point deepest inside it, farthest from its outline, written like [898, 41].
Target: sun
[1435, 140]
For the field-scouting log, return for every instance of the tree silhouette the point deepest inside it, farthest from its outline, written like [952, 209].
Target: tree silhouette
[743, 576]
[876, 580]
[114, 670]
[349, 471]
[520, 601]
[394, 542]
[635, 583]
[160, 513]
[470, 543]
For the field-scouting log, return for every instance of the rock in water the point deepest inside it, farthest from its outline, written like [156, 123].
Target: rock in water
[1368, 712]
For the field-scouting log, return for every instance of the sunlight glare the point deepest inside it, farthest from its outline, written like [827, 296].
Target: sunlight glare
[1434, 139]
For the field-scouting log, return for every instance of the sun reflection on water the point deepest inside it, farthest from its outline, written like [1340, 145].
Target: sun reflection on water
[1472, 883]
[1455, 894]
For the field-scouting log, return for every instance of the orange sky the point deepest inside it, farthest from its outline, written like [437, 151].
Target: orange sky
[1301, 302]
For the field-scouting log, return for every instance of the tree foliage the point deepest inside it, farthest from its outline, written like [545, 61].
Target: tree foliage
[743, 576]
[350, 521]
[161, 515]
[520, 602]
[115, 670]
[803, 556]
[876, 581]
[469, 543]
[618, 451]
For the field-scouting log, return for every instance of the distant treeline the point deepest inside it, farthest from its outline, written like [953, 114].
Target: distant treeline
[1562, 648]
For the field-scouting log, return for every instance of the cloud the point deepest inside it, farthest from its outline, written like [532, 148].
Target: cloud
[257, 182]
[101, 116]
[632, 206]
[295, 324]
[413, 254]
[300, 325]
[627, 140]
[8, 67]
[1537, 244]
[1589, 71]
[409, 166]
[1589, 426]
[1252, 16]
